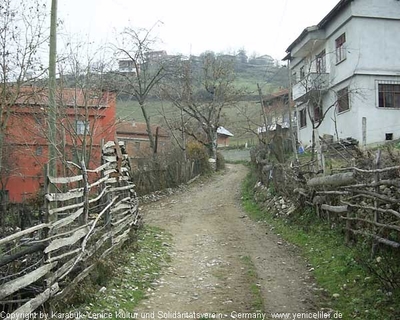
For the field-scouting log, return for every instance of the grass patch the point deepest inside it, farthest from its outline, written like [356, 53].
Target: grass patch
[349, 286]
[125, 278]
[255, 288]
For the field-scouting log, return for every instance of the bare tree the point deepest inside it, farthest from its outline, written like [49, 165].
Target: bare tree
[202, 91]
[143, 69]
[22, 35]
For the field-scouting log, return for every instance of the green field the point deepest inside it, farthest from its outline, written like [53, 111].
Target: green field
[235, 119]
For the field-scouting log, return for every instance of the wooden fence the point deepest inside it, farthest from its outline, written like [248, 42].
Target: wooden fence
[87, 216]
[364, 200]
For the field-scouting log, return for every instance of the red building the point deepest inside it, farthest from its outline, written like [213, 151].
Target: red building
[136, 138]
[84, 118]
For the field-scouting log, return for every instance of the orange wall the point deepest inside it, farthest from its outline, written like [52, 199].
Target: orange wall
[28, 147]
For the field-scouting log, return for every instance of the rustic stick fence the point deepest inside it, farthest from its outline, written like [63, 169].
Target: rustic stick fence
[363, 201]
[87, 216]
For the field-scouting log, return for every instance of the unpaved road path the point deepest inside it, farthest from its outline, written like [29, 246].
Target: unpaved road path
[213, 242]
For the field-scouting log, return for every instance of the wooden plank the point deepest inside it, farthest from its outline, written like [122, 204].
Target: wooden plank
[110, 158]
[125, 216]
[120, 178]
[22, 233]
[25, 311]
[109, 144]
[6, 259]
[337, 209]
[98, 169]
[381, 225]
[62, 209]
[102, 193]
[103, 179]
[82, 275]
[108, 172]
[14, 285]
[53, 277]
[338, 179]
[391, 211]
[121, 206]
[377, 238]
[63, 242]
[64, 196]
[67, 220]
[369, 171]
[61, 256]
[131, 186]
[63, 180]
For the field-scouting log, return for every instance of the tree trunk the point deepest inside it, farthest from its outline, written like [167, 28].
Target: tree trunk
[213, 148]
[147, 119]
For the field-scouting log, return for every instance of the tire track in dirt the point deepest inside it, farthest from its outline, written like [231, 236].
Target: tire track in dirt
[211, 235]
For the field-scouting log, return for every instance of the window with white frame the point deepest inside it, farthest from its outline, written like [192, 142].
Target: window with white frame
[340, 48]
[389, 94]
[82, 127]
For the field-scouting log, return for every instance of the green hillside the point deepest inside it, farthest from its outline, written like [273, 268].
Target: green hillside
[247, 76]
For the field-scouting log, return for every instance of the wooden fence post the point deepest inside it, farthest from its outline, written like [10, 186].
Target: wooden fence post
[376, 201]
[85, 193]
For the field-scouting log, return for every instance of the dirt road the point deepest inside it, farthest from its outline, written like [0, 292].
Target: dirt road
[214, 246]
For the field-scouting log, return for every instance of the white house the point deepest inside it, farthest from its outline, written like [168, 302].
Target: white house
[346, 73]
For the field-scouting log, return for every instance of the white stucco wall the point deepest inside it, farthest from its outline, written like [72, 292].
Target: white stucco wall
[373, 46]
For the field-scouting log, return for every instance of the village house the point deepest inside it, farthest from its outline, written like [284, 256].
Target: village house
[276, 113]
[134, 135]
[84, 119]
[223, 136]
[345, 73]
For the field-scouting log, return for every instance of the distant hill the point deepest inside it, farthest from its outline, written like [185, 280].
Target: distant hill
[248, 71]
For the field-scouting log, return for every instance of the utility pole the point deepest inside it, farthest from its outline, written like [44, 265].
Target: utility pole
[52, 111]
[262, 112]
[290, 101]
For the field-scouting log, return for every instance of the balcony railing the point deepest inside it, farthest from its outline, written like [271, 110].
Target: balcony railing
[312, 83]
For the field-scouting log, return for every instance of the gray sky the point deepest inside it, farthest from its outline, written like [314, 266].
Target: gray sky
[264, 27]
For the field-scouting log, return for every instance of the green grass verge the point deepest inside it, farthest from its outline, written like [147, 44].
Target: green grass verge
[349, 286]
[255, 288]
[125, 278]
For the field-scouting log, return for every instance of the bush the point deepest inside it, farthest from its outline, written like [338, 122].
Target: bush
[196, 151]
[220, 161]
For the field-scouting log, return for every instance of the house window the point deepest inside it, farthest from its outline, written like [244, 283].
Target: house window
[137, 146]
[303, 118]
[343, 102]
[320, 61]
[340, 49]
[389, 95]
[318, 113]
[39, 151]
[82, 127]
[302, 73]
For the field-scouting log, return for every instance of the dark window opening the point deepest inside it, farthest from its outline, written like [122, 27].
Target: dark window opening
[303, 118]
[302, 73]
[340, 49]
[343, 100]
[321, 62]
[318, 114]
[388, 136]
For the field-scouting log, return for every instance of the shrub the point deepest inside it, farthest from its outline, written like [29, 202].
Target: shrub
[220, 161]
[196, 151]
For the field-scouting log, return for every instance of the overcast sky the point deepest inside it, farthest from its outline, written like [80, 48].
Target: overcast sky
[261, 26]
